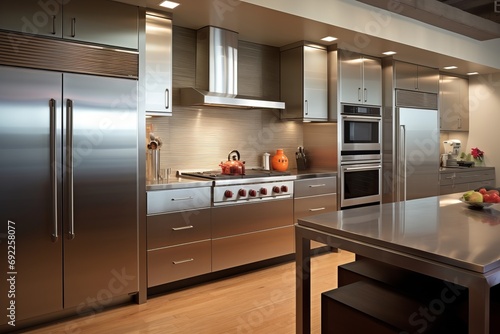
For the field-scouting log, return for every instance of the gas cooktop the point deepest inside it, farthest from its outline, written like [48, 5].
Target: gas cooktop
[249, 173]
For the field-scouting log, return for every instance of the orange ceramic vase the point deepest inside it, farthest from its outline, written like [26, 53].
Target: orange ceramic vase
[280, 161]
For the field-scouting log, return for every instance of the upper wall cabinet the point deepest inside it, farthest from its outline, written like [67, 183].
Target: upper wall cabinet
[454, 103]
[360, 79]
[415, 77]
[93, 21]
[158, 73]
[304, 82]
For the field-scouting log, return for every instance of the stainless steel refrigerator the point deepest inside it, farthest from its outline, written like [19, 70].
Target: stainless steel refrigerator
[68, 191]
[416, 153]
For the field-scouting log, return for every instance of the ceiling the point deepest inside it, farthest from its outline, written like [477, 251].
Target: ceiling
[481, 8]
[265, 26]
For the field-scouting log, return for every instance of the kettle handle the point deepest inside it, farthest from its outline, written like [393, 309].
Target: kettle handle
[233, 151]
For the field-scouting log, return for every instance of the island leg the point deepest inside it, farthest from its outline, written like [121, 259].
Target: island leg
[479, 308]
[303, 283]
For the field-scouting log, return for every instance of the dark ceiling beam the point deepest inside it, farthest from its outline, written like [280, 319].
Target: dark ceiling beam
[443, 16]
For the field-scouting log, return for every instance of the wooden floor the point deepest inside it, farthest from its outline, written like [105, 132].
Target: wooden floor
[261, 301]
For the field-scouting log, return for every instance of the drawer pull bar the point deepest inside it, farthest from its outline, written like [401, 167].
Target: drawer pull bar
[317, 209]
[183, 261]
[182, 228]
[317, 185]
[182, 198]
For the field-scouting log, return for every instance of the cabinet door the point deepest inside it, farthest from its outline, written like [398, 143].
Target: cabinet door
[405, 75]
[351, 78]
[428, 79]
[449, 108]
[315, 83]
[372, 81]
[101, 22]
[32, 17]
[464, 104]
[27, 162]
[100, 261]
[158, 64]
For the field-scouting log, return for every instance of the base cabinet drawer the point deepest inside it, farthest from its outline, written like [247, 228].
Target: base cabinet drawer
[252, 247]
[178, 262]
[178, 228]
[314, 205]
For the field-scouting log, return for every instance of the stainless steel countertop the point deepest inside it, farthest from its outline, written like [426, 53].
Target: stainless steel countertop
[437, 228]
[175, 182]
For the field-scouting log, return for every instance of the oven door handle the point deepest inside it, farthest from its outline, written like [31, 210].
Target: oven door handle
[350, 169]
[356, 117]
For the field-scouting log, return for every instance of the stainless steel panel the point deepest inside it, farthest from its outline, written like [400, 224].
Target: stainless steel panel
[413, 99]
[252, 247]
[315, 83]
[26, 193]
[178, 228]
[101, 22]
[175, 263]
[405, 75]
[158, 79]
[315, 186]
[41, 53]
[351, 77]
[314, 205]
[178, 199]
[104, 250]
[245, 218]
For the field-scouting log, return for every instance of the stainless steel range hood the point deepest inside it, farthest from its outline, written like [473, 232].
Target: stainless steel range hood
[217, 73]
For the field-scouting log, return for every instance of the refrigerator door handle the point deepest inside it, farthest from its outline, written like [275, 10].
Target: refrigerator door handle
[53, 149]
[69, 155]
[402, 163]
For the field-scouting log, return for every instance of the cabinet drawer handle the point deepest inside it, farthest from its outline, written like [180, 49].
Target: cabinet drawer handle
[182, 228]
[183, 261]
[73, 27]
[317, 185]
[182, 198]
[317, 209]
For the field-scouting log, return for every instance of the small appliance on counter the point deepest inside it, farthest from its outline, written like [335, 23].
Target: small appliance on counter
[451, 152]
[153, 158]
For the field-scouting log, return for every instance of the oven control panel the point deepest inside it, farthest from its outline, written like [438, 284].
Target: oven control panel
[241, 193]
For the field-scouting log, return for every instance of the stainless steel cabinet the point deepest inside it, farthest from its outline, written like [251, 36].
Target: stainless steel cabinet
[454, 103]
[92, 21]
[462, 180]
[178, 234]
[158, 72]
[304, 82]
[360, 79]
[252, 232]
[68, 155]
[314, 196]
[415, 77]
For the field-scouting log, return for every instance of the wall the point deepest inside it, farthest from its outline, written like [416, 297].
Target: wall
[484, 106]
[200, 138]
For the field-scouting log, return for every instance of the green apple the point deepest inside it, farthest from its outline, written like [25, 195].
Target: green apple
[467, 195]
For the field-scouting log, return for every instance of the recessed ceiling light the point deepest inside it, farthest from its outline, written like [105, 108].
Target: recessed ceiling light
[450, 67]
[169, 4]
[329, 39]
[389, 53]
[473, 73]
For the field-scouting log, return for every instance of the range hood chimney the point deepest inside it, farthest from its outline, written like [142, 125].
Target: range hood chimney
[217, 73]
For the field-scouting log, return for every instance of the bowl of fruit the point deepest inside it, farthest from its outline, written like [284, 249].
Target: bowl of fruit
[483, 197]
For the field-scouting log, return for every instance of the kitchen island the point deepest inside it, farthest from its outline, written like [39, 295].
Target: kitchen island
[436, 236]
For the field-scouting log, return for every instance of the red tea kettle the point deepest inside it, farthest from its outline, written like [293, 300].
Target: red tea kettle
[233, 165]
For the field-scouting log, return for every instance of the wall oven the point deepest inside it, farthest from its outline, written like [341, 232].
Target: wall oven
[360, 155]
[360, 183]
[360, 128]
